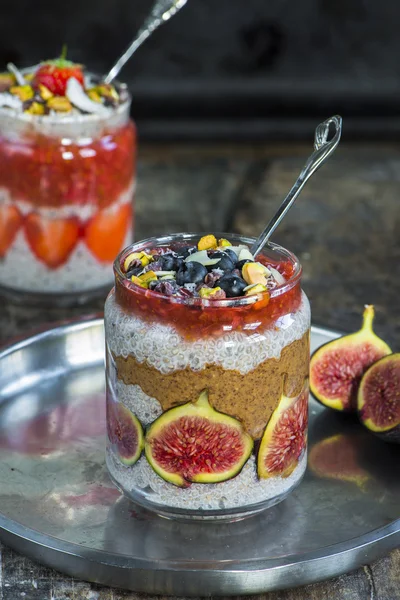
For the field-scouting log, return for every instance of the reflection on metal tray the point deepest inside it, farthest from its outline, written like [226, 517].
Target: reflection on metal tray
[58, 505]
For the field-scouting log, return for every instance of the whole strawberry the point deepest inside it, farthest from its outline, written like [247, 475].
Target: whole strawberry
[54, 74]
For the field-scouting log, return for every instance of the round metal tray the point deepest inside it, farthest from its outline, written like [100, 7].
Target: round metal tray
[58, 506]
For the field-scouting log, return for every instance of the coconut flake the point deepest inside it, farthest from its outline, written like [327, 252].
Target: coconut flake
[277, 276]
[163, 273]
[237, 249]
[245, 254]
[10, 101]
[77, 96]
[202, 257]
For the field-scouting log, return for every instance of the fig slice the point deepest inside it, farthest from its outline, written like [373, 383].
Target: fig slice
[125, 433]
[336, 368]
[285, 437]
[378, 400]
[193, 443]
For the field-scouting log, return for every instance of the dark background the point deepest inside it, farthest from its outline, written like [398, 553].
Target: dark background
[230, 69]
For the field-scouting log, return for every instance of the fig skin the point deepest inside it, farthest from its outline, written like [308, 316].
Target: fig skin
[378, 399]
[122, 424]
[170, 433]
[341, 363]
[293, 441]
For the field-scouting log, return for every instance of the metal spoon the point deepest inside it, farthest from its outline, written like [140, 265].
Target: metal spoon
[323, 149]
[161, 12]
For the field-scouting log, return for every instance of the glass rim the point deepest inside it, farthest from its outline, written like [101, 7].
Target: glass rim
[240, 301]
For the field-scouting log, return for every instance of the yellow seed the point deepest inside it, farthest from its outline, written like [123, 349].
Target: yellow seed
[147, 277]
[223, 242]
[139, 282]
[44, 92]
[35, 109]
[24, 92]
[208, 292]
[258, 288]
[207, 242]
[94, 95]
[59, 104]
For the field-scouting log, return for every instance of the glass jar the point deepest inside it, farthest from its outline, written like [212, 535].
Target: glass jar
[66, 193]
[215, 392]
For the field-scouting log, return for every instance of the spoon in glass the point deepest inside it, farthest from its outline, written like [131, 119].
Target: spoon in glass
[161, 12]
[323, 148]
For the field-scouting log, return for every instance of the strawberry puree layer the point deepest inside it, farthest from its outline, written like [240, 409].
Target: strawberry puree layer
[52, 172]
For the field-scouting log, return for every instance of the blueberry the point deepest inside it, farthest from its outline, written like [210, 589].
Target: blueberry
[185, 252]
[232, 255]
[232, 285]
[241, 263]
[225, 263]
[191, 272]
[170, 262]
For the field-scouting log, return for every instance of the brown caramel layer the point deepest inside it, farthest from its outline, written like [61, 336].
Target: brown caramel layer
[251, 398]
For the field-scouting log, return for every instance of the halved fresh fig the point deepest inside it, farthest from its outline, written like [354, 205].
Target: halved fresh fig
[124, 432]
[336, 368]
[285, 437]
[378, 400]
[337, 457]
[193, 443]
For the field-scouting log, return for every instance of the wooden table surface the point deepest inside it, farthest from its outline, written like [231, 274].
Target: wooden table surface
[345, 229]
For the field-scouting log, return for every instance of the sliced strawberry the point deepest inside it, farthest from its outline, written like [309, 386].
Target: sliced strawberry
[51, 240]
[105, 233]
[54, 74]
[10, 222]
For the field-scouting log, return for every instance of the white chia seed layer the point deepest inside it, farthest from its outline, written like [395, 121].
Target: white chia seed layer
[165, 349]
[144, 407]
[243, 490]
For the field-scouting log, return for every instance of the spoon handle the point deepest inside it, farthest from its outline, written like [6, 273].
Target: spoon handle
[161, 12]
[322, 150]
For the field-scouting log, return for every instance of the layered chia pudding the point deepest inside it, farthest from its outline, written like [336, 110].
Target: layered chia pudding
[67, 178]
[207, 375]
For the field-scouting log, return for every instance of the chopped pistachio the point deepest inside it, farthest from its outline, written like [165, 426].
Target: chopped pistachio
[148, 276]
[144, 259]
[139, 282]
[35, 108]
[107, 90]
[94, 94]
[24, 92]
[207, 242]
[257, 288]
[44, 92]
[59, 104]
[209, 292]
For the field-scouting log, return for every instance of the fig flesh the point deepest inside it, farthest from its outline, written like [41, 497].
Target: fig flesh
[336, 368]
[193, 443]
[378, 400]
[125, 433]
[285, 437]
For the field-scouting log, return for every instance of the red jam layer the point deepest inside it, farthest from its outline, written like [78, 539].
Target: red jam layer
[199, 321]
[50, 172]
